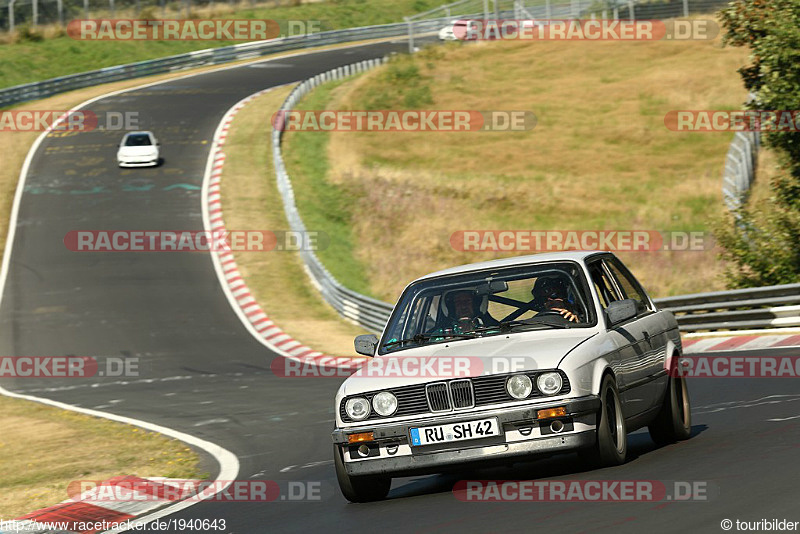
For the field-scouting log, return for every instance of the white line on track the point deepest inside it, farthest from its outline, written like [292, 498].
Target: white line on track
[229, 463]
[778, 419]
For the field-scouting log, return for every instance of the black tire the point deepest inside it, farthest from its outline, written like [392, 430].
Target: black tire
[674, 421]
[360, 489]
[611, 447]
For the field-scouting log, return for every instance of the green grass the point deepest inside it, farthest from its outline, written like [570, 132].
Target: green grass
[30, 61]
[324, 206]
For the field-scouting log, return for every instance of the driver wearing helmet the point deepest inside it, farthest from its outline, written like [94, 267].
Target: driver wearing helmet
[550, 295]
[463, 312]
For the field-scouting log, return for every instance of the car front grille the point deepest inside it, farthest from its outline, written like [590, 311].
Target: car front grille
[463, 393]
[438, 398]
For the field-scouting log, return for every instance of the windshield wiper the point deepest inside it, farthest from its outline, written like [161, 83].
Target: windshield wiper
[507, 326]
[419, 338]
[503, 326]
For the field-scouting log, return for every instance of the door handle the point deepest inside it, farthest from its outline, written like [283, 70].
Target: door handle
[647, 339]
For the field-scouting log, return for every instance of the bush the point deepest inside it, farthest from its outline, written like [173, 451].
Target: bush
[762, 241]
[25, 33]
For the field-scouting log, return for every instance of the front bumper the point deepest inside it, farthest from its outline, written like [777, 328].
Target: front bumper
[138, 162]
[522, 434]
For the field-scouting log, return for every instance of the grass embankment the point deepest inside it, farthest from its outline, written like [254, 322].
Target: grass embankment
[43, 449]
[52, 53]
[599, 158]
[250, 200]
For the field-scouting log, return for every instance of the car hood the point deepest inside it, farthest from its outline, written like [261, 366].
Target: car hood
[497, 354]
[137, 150]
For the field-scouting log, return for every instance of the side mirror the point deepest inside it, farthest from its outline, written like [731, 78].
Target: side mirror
[366, 344]
[621, 311]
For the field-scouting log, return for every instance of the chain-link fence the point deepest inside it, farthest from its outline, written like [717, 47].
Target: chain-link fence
[432, 21]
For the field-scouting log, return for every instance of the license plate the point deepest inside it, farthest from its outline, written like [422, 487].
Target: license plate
[429, 435]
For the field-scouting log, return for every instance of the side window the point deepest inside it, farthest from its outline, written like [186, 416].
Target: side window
[628, 284]
[603, 285]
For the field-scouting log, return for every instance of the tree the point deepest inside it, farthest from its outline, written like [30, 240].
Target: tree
[762, 242]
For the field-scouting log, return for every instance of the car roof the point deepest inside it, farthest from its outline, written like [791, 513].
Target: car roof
[143, 132]
[574, 255]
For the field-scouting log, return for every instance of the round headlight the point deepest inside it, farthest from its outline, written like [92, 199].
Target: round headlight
[519, 386]
[384, 403]
[549, 383]
[357, 408]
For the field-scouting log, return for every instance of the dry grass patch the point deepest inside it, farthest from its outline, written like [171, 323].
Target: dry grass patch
[43, 449]
[251, 201]
[599, 157]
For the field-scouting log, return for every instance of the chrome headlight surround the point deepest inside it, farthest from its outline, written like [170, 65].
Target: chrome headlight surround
[519, 386]
[357, 408]
[549, 383]
[384, 403]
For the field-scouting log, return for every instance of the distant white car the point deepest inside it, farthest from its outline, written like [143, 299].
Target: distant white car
[138, 149]
[471, 30]
[454, 31]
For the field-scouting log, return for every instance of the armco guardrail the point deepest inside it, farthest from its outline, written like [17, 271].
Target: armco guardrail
[740, 168]
[211, 56]
[739, 309]
[370, 313]
[742, 309]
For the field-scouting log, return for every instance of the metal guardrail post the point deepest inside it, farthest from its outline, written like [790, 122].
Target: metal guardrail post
[11, 14]
[410, 35]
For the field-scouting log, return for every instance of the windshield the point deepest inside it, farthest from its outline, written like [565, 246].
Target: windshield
[486, 303]
[138, 140]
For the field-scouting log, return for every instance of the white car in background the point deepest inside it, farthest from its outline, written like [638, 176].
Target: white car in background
[461, 29]
[139, 149]
[452, 31]
[596, 360]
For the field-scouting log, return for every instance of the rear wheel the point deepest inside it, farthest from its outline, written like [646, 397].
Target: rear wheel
[363, 488]
[674, 421]
[611, 446]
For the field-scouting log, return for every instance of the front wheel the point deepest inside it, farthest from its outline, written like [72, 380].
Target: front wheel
[611, 446]
[674, 421]
[363, 488]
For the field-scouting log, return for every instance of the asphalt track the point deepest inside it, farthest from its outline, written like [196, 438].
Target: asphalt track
[202, 373]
